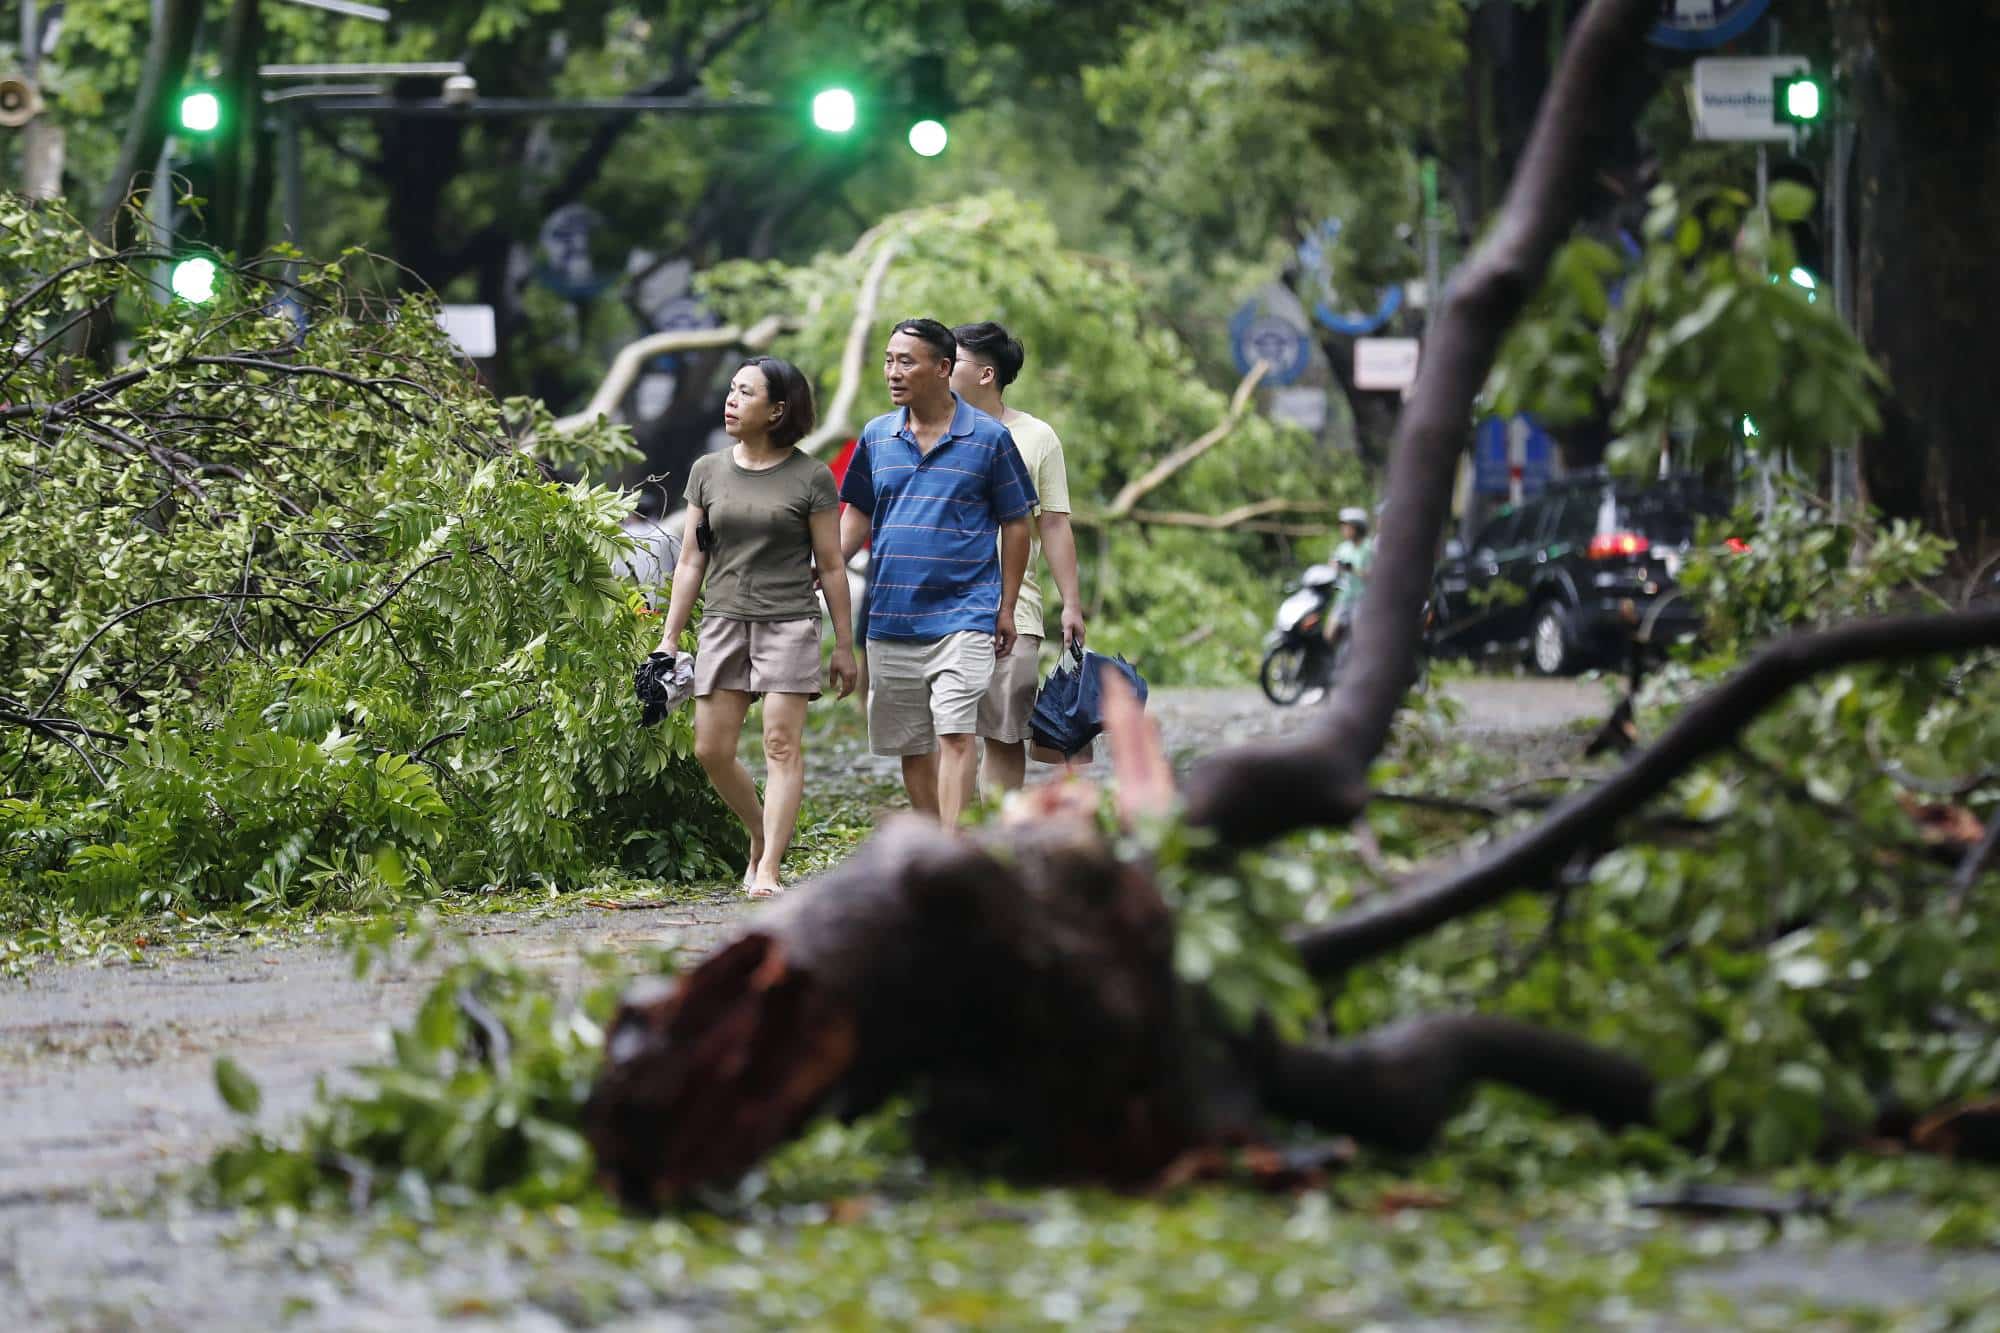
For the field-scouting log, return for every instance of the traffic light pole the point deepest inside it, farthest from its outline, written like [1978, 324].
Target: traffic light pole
[1846, 477]
[292, 184]
[292, 106]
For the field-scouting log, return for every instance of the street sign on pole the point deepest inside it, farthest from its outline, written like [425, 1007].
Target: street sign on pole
[1735, 97]
[1703, 25]
[1385, 363]
[470, 328]
[1262, 330]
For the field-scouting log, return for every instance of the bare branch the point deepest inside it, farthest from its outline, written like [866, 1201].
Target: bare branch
[1252, 517]
[1585, 819]
[833, 425]
[1256, 792]
[1163, 471]
[631, 357]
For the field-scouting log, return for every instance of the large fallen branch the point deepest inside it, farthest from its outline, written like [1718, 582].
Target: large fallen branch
[1589, 818]
[1256, 792]
[1163, 471]
[1252, 517]
[835, 421]
[632, 357]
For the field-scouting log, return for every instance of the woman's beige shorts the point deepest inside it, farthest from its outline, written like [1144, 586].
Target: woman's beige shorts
[757, 656]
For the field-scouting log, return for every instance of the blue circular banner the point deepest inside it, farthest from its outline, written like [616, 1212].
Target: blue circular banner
[1703, 25]
[1257, 333]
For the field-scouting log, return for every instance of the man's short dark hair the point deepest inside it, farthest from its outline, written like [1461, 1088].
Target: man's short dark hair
[995, 346]
[933, 333]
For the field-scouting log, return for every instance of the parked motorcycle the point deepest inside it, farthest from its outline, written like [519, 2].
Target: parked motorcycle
[1297, 657]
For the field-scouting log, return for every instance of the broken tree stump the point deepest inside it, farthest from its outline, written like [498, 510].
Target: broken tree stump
[1019, 987]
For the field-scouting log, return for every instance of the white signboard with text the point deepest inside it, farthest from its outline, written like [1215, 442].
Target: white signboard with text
[470, 328]
[1734, 98]
[1385, 363]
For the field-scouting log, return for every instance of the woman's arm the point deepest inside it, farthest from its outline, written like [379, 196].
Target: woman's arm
[688, 573]
[826, 543]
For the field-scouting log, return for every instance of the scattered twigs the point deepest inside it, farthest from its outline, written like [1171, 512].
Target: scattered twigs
[1255, 792]
[1710, 723]
[372, 609]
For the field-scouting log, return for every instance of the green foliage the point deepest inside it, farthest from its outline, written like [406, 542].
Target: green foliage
[1245, 125]
[1705, 331]
[480, 1095]
[1801, 569]
[302, 625]
[1791, 950]
[1119, 388]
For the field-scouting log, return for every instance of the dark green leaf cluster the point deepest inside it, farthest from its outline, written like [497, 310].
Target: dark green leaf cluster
[480, 1094]
[299, 621]
[1708, 330]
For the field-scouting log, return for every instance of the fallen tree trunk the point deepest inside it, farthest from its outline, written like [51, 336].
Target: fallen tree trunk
[1021, 990]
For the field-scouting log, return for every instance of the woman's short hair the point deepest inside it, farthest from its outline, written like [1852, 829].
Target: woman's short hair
[789, 387]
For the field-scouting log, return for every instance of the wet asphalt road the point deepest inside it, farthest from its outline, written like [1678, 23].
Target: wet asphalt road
[106, 1072]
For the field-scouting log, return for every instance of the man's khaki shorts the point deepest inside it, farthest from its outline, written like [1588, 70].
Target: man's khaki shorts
[1009, 702]
[919, 690]
[757, 656]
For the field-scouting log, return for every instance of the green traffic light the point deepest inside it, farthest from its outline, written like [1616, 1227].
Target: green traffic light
[1802, 100]
[201, 112]
[194, 279]
[833, 110]
[928, 138]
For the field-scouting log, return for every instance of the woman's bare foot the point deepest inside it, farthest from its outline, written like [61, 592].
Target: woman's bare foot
[750, 871]
[764, 884]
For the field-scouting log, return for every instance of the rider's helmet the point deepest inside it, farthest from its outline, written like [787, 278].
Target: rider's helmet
[1356, 515]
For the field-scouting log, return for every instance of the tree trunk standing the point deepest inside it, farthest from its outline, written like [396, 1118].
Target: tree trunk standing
[1927, 288]
[166, 65]
[420, 157]
[228, 211]
[1374, 413]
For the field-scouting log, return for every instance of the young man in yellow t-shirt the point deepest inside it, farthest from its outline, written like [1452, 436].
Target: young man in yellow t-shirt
[989, 358]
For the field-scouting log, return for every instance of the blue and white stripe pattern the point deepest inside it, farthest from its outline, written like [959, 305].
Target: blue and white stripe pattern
[934, 567]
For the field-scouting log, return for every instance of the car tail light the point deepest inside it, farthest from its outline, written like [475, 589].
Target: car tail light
[1736, 544]
[1614, 545]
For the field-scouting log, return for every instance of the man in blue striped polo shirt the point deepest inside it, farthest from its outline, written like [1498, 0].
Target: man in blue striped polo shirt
[928, 487]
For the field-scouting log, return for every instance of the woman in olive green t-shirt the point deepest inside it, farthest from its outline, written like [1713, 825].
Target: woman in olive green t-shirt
[760, 517]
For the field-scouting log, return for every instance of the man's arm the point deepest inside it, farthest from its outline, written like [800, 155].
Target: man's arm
[1013, 564]
[853, 532]
[1059, 545]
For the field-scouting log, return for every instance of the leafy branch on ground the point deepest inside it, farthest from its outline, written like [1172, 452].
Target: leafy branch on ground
[301, 627]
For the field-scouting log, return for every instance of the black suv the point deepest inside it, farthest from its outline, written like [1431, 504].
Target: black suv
[1575, 574]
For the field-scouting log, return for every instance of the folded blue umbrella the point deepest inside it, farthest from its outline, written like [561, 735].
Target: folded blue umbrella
[1069, 709]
